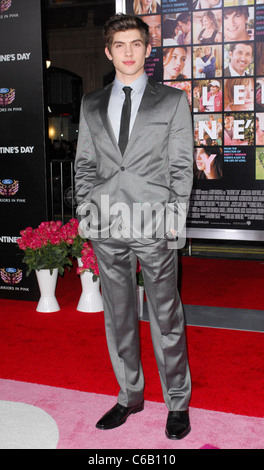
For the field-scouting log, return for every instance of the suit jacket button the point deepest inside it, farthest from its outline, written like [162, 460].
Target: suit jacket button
[122, 168]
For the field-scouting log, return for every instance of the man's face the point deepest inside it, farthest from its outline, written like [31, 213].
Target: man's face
[240, 57]
[234, 26]
[128, 53]
[185, 27]
[154, 24]
[207, 50]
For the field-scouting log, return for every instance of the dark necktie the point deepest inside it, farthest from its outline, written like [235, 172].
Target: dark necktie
[125, 120]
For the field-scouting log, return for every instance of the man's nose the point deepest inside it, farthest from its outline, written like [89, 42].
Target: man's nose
[232, 20]
[128, 50]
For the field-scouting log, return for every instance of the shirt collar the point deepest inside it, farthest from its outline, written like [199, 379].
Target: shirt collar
[234, 73]
[137, 86]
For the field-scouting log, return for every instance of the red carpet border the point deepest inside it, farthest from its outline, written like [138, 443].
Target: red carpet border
[68, 349]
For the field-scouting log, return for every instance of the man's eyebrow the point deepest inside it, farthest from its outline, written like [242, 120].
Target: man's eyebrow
[122, 42]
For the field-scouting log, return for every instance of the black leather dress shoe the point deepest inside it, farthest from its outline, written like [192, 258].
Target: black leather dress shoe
[118, 415]
[178, 424]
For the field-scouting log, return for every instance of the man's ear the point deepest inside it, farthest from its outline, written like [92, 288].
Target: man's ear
[108, 54]
[148, 51]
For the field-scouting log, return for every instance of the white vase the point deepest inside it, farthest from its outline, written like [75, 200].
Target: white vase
[91, 299]
[140, 300]
[47, 285]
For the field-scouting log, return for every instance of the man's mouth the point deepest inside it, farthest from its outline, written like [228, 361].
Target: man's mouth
[232, 28]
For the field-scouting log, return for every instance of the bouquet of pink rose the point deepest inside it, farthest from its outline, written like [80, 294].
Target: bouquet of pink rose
[45, 247]
[89, 261]
[70, 232]
[51, 245]
[80, 248]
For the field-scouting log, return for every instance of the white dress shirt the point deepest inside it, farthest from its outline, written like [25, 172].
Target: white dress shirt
[234, 73]
[117, 99]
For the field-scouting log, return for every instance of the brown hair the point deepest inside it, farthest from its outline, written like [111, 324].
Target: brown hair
[122, 22]
[242, 10]
[168, 53]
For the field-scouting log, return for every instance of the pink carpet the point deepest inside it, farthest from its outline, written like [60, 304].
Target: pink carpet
[66, 418]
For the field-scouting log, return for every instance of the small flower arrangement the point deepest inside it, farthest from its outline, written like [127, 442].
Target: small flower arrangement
[51, 245]
[80, 248]
[45, 247]
[89, 261]
[73, 239]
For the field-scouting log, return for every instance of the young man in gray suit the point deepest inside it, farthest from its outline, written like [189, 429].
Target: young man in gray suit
[133, 192]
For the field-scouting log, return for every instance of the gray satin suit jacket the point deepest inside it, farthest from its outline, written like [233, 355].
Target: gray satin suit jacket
[144, 190]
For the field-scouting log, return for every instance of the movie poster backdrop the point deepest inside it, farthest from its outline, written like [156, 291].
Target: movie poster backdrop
[214, 50]
[22, 145]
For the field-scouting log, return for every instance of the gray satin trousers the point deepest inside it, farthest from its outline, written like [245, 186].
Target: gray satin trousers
[117, 266]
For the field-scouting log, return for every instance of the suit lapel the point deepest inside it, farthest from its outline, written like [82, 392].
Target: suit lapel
[145, 107]
[103, 106]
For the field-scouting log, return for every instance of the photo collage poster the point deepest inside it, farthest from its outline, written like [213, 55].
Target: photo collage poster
[214, 50]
